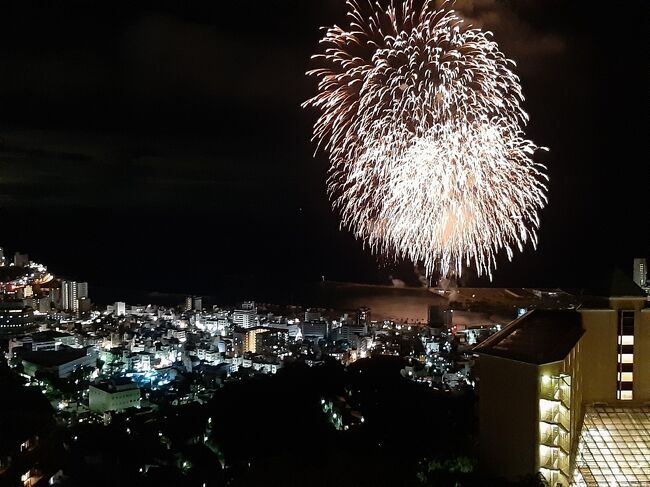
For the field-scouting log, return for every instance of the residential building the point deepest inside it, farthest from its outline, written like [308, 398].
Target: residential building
[13, 317]
[246, 316]
[549, 372]
[640, 274]
[120, 308]
[21, 260]
[250, 341]
[69, 296]
[82, 290]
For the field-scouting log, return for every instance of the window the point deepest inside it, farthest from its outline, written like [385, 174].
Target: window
[626, 340]
[625, 376]
[625, 356]
[624, 395]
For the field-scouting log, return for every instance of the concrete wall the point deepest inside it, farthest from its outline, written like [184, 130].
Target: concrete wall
[100, 400]
[642, 356]
[598, 357]
[599, 347]
[508, 417]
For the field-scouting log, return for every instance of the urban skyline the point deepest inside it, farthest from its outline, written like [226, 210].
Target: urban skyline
[423, 265]
[130, 141]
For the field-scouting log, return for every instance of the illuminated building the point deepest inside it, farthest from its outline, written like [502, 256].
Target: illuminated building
[60, 363]
[350, 331]
[541, 372]
[250, 339]
[115, 395]
[363, 316]
[13, 317]
[246, 315]
[640, 274]
[69, 296]
[120, 308]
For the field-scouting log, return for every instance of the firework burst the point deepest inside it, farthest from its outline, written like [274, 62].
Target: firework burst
[422, 119]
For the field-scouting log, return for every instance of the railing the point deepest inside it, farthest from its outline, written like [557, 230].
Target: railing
[555, 424]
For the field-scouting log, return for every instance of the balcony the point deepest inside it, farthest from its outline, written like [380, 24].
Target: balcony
[554, 458]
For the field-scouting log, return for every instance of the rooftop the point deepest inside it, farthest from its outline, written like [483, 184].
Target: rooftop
[116, 384]
[613, 448]
[48, 358]
[464, 298]
[538, 337]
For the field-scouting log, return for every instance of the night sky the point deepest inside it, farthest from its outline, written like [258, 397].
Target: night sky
[162, 147]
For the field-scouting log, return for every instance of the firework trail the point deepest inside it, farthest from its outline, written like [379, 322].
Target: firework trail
[422, 119]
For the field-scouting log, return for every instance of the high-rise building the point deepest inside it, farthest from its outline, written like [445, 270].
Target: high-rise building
[250, 339]
[312, 314]
[640, 273]
[21, 260]
[363, 316]
[2, 256]
[69, 296]
[120, 308]
[197, 303]
[246, 315]
[188, 303]
[545, 377]
[55, 296]
[82, 290]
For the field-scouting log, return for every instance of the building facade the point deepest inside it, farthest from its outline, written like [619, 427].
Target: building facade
[114, 395]
[69, 296]
[540, 374]
[246, 316]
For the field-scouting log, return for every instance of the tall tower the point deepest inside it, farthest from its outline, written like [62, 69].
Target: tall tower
[640, 274]
[82, 290]
[21, 260]
[69, 297]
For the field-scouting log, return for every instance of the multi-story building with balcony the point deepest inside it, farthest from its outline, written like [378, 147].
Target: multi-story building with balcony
[549, 376]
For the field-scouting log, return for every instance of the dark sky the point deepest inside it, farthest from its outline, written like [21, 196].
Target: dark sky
[161, 145]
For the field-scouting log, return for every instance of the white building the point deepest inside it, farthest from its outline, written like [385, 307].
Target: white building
[120, 308]
[69, 296]
[115, 395]
[246, 316]
[61, 363]
[640, 274]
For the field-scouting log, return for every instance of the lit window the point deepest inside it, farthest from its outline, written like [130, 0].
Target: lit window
[626, 340]
[625, 376]
[626, 358]
[624, 395]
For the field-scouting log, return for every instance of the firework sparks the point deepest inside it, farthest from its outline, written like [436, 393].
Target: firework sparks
[422, 119]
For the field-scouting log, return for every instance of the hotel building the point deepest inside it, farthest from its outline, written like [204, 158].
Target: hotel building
[567, 393]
